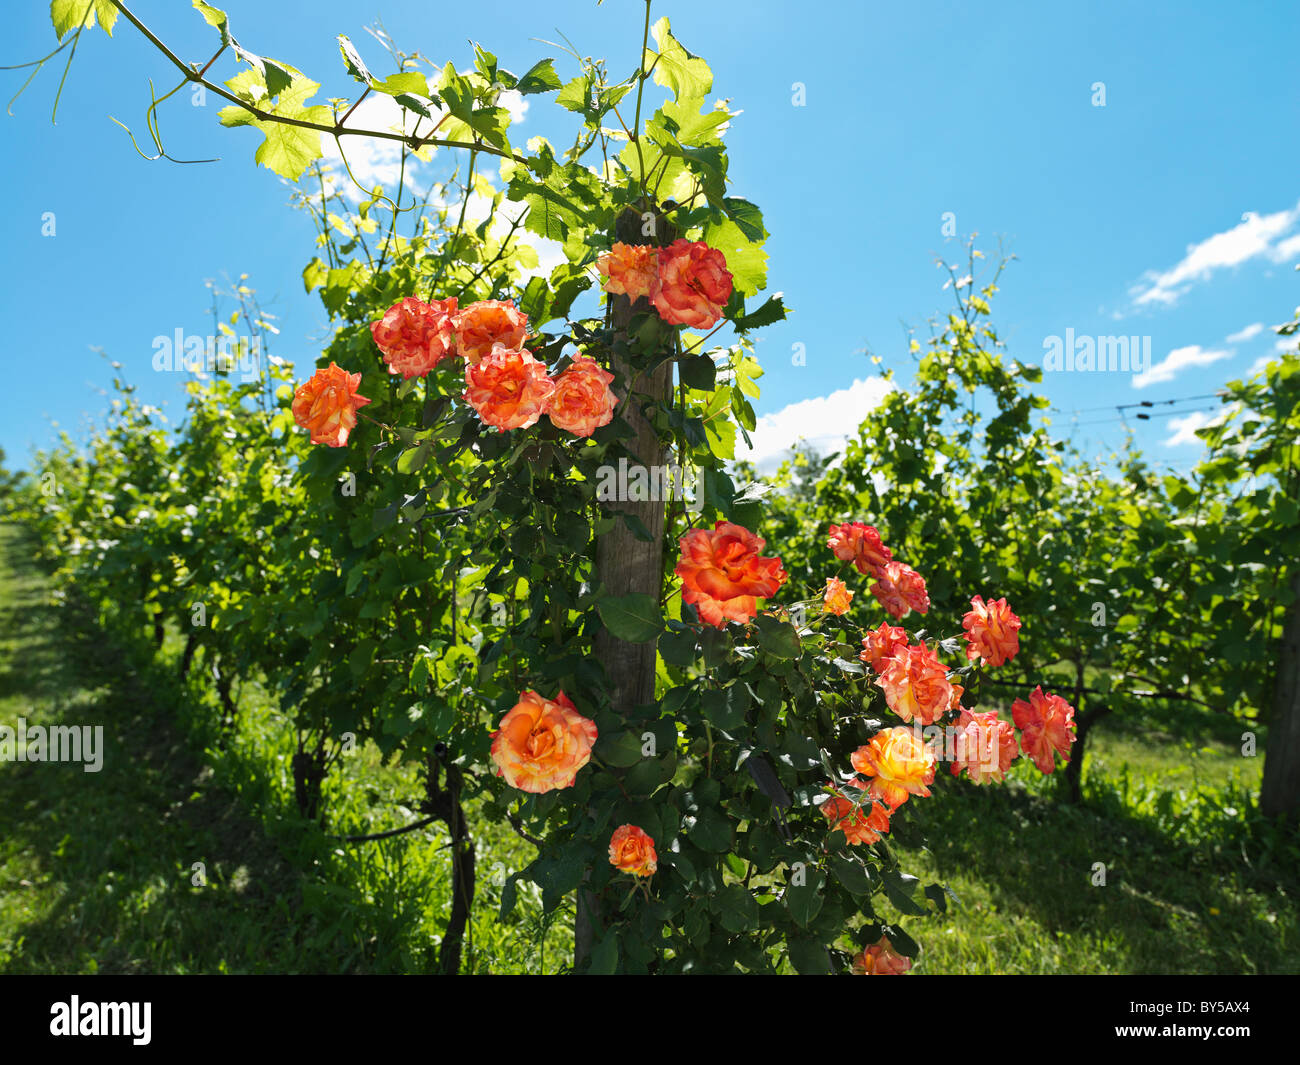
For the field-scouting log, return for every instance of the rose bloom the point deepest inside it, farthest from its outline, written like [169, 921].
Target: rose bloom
[542, 743]
[880, 645]
[880, 959]
[992, 631]
[859, 825]
[1046, 725]
[837, 597]
[631, 850]
[722, 573]
[985, 746]
[899, 764]
[955, 704]
[415, 336]
[582, 401]
[900, 589]
[481, 326]
[327, 405]
[509, 389]
[693, 284]
[630, 270]
[859, 544]
[916, 684]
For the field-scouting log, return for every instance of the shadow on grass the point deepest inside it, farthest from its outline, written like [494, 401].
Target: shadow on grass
[97, 870]
[1165, 907]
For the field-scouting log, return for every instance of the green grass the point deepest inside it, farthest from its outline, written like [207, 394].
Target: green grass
[96, 868]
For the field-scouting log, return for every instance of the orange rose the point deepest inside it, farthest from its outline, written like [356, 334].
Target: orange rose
[542, 743]
[722, 573]
[985, 746]
[916, 684]
[992, 631]
[630, 269]
[900, 589]
[415, 336]
[898, 763]
[880, 645]
[837, 597]
[631, 850]
[955, 704]
[693, 284]
[582, 401]
[848, 816]
[327, 405]
[1046, 725]
[881, 959]
[859, 544]
[483, 325]
[509, 389]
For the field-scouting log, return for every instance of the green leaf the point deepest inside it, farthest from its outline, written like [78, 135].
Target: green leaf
[852, 874]
[746, 260]
[698, 372]
[604, 956]
[68, 15]
[804, 901]
[776, 637]
[287, 150]
[214, 17]
[903, 943]
[899, 888]
[634, 618]
[622, 750]
[576, 95]
[808, 956]
[541, 77]
[736, 909]
[353, 62]
[773, 310]
[675, 67]
[409, 81]
[935, 893]
[725, 707]
[711, 831]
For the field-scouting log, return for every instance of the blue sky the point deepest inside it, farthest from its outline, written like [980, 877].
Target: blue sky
[1171, 212]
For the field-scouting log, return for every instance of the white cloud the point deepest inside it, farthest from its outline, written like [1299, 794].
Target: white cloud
[513, 101]
[375, 161]
[1286, 250]
[1252, 237]
[824, 423]
[1249, 333]
[1184, 429]
[1258, 365]
[1178, 359]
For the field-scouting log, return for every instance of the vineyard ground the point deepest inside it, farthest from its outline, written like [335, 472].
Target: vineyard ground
[97, 870]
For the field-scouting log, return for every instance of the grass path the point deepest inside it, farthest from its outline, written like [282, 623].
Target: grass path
[96, 869]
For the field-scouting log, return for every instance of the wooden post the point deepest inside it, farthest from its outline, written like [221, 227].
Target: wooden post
[1279, 793]
[625, 564]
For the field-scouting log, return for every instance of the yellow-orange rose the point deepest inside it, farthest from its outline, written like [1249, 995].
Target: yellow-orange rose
[327, 403]
[483, 325]
[837, 597]
[916, 684]
[582, 401]
[881, 959]
[632, 850]
[630, 269]
[542, 743]
[509, 389]
[898, 763]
